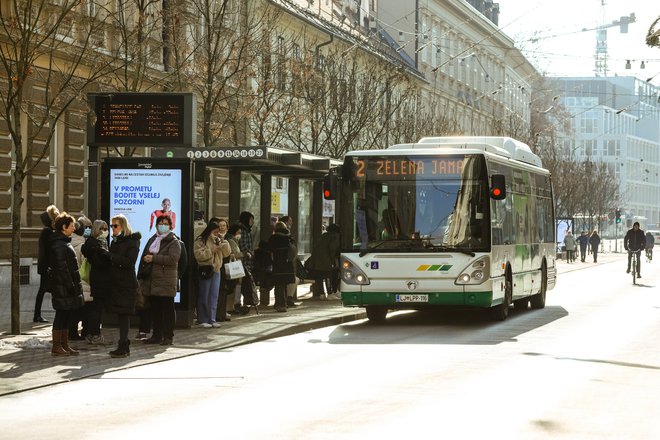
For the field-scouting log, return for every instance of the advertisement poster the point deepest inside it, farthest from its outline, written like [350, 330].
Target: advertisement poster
[142, 195]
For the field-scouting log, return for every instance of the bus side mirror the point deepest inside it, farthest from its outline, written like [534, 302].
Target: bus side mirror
[497, 187]
[329, 186]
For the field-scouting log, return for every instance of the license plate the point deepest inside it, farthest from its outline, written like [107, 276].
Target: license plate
[408, 298]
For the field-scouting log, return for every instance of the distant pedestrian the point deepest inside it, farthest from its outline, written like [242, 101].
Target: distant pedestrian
[161, 255]
[124, 252]
[583, 240]
[284, 255]
[324, 262]
[64, 283]
[291, 288]
[594, 241]
[571, 245]
[47, 219]
[97, 253]
[263, 271]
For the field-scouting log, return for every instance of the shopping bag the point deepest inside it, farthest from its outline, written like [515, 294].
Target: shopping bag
[234, 270]
[84, 270]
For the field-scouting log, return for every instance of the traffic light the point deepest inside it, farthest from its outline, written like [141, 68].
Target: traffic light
[329, 186]
[617, 215]
[497, 187]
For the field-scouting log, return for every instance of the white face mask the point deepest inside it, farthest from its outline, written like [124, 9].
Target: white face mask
[103, 235]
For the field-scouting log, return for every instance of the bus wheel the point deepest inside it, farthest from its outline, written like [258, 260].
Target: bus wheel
[538, 301]
[376, 314]
[501, 312]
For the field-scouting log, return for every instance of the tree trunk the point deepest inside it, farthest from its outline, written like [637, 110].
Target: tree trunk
[17, 202]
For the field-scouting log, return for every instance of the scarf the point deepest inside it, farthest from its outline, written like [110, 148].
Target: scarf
[155, 246]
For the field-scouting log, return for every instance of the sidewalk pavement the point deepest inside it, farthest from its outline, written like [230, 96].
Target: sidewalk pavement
[26, 363]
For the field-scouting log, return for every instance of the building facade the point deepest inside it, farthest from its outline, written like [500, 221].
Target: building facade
[616, 120]
[432, 67]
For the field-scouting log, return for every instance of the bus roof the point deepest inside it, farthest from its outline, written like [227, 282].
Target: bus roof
[500, 146]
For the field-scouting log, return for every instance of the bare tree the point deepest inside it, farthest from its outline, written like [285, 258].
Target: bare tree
[216, 58]
[653, 34]
[48, 60]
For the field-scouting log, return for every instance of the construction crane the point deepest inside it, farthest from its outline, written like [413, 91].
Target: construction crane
[600, 57]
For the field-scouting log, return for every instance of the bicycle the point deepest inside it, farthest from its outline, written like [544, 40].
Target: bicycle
[635, 263]
[649, 255]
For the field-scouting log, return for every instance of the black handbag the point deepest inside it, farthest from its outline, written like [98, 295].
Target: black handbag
[205, 272]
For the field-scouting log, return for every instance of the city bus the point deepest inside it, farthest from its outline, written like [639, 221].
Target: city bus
[463, 222]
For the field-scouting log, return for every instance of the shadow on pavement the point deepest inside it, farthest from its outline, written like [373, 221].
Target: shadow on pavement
[472, 327]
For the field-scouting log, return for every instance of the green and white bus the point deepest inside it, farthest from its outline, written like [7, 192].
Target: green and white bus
[446, 222]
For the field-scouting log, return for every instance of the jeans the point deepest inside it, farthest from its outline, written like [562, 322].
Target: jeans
[207, 299]
[583, 253]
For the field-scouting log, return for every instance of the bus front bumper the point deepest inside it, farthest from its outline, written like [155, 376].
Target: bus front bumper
[404, 301]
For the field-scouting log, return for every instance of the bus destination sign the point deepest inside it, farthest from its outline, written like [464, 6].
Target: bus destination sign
[141, 119]
[402, 168]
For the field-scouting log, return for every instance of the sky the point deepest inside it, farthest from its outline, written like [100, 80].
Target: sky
[564, 49]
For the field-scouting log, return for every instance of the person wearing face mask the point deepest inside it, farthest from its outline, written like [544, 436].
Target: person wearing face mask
[96, 251]
[226, 285]
[209, 250]
[159, 282]
[64, 283]
[124, 251]
[80, 234]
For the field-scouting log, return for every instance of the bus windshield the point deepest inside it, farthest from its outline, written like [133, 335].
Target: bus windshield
[420, 203]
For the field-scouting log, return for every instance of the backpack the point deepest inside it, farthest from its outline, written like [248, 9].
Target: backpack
[183, 260]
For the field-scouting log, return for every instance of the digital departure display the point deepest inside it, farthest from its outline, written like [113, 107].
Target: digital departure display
[141, 119]
[401, 168]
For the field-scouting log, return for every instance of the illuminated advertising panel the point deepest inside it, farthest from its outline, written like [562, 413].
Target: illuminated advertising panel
[144, 189]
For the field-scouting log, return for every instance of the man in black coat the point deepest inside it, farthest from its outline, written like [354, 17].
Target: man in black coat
[47, 218]
[634, 242]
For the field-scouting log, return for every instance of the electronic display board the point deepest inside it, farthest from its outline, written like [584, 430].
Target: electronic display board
[141, 119]
[407, 167]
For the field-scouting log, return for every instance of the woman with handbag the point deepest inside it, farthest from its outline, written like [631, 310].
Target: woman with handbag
[209, 250]
[161, 254]
[124, 252]
[284, 260]
[234, 294]
[64, 283]
[95, 250]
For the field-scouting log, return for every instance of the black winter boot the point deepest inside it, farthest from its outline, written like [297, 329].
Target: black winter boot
[122, 350]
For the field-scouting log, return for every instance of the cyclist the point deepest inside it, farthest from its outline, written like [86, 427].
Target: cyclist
[634, 242]
[650, 241]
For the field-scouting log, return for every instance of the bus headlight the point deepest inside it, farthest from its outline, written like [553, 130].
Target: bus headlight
[351, 274]
[476, 273]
